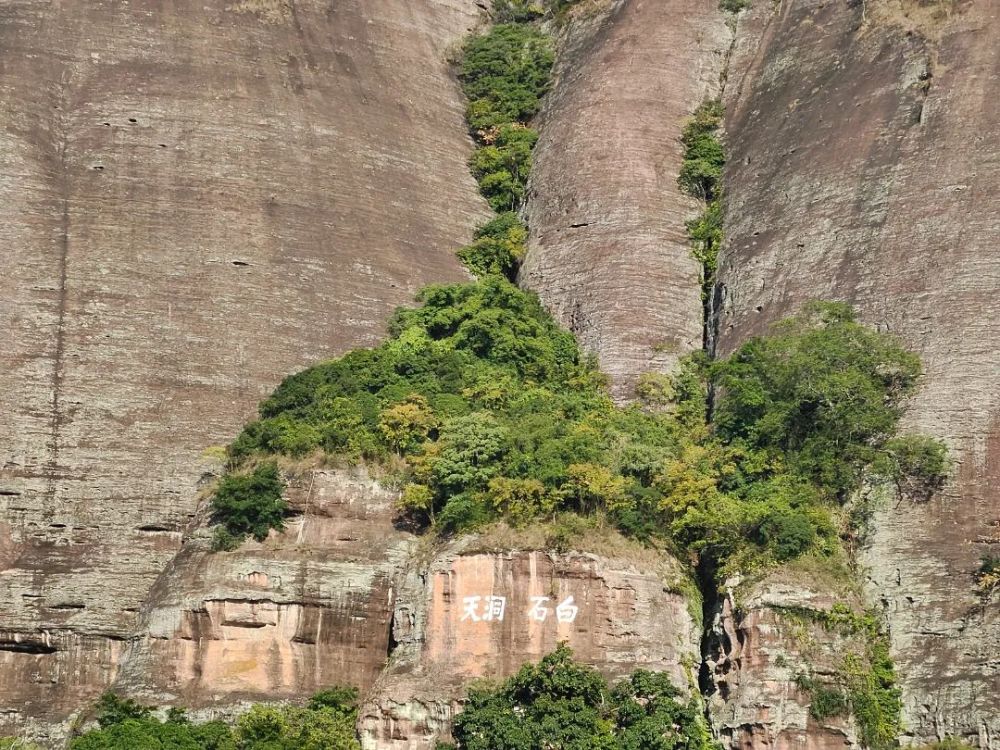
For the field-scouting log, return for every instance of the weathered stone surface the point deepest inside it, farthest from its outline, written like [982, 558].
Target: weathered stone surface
[196, 199]
[627, 616]
[863, 168]
[755, 651]
[608, 252]
[308, 608]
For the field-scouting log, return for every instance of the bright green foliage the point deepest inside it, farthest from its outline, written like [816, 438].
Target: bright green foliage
[704, 156]
[563, 705]
[328, 723]
[497, 247]
[502, 166]
[504, 74]
[823, 395]
[701, 177]
[706, 237]
[496, 414]
[250, 503]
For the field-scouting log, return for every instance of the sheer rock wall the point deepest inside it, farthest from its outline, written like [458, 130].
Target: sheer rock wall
[863, 168]
[196, 199]
[608, 252]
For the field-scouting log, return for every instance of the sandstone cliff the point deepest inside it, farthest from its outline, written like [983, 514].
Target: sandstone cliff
[863, 167]
[608, 253]
[198, 198]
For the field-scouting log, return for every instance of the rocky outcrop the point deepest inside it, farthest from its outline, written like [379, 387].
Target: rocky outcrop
[608, 251]
[862, 168]
[308, 608]
[196, 199]
[761, 643]
[476, 614]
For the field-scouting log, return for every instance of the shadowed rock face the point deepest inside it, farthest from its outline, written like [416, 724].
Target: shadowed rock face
[196, 199]
[863, 167]
[609, 253]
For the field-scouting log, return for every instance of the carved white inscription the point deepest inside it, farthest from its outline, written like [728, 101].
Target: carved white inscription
[489, 608]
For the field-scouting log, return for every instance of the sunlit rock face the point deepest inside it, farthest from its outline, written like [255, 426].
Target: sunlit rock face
[196, 199]
[483, 614]
[862, 167]
[309, 608]
[609, 253]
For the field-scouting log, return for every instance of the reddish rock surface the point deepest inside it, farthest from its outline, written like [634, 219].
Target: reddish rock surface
[608, 252]
[863, 167]
[196, 199]
[308, 608]
[617, 614]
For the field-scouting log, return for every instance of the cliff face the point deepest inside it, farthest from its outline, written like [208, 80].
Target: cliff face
[197, 199]
[608, 252]
[863, 167]
[476, 614]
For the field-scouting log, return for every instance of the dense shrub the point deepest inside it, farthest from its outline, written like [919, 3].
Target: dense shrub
[504, 74]
[734, 6]
[326, 724]
[561, 704]
[502, 166]
[823, 395]
[496, 414]
[704, 155]
[497, 247]
[249, 503]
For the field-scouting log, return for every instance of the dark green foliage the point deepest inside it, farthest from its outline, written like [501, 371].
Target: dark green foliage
[497, 247]
[825, 701]
[249, 503]
[560, 704]
[326, 724]
[918, 464]
[517, 11]
[502, 166]
[734, 6]
[504, 74]
[823, 393]
[113, 710]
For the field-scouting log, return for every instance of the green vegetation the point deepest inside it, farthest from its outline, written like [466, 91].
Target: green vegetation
[488, 410]
[701, 178]
[734, 6]
[561, 704]
[249, 503]
[865, 683]
[504, 73]
[327, 723]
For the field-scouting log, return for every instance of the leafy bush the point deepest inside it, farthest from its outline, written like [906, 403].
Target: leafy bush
[497, 247]
[326, 724]
[704, 155]
[918, 464]
[734, 6]
[559, 703]
[504, 74]
[250, 503]
[823, 394]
